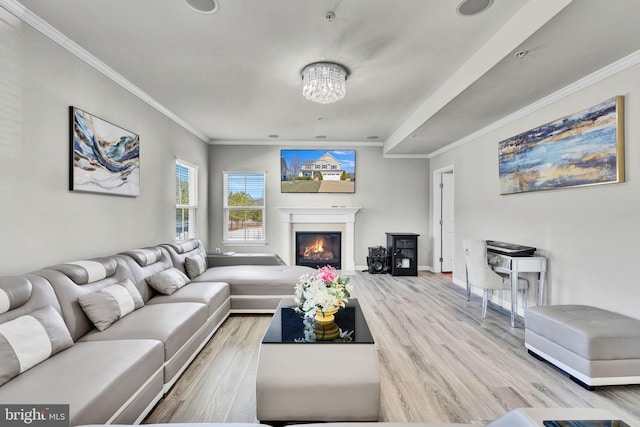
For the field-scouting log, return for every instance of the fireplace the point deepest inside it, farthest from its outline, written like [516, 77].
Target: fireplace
[318, 248]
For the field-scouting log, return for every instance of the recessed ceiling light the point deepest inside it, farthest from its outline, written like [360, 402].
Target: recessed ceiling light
[473, 7]
[273, 135]
[373, 137]
[321, 136]
[323, 118]
[521, 54]
[203, 6]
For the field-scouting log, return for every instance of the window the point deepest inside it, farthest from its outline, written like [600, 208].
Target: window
[244, 208]
[186, 200]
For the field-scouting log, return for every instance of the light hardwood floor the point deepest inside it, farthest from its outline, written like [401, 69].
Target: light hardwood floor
[438, 361]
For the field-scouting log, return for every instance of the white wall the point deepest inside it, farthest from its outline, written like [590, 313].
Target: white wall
[42, 223]
[590, 234]
[393, 194]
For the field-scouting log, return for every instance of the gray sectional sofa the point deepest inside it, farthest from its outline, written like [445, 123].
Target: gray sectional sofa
[104, 341]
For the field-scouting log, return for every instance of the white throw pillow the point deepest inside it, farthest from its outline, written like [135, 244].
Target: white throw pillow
[31, 339]
[168, 281]
[106, 306]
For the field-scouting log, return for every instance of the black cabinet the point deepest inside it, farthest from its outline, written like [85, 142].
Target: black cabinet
[402, 249]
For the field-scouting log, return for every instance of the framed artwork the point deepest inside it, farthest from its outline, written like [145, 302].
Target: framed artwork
[105, 158]
[585, 148]
[318, 171]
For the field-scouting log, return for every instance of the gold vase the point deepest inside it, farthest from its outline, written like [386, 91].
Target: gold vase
[326, 316]
[326, 332]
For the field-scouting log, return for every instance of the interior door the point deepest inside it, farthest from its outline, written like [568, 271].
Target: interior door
[446, 222]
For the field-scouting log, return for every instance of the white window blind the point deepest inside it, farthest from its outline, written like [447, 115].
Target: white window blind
[186, 200]
[244, 207]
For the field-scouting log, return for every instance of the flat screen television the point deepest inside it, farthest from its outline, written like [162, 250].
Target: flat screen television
[318, 171]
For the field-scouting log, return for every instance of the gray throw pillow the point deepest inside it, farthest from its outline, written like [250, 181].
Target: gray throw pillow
[168, 281]
[31, 339]
[106, 306]
[194, 265]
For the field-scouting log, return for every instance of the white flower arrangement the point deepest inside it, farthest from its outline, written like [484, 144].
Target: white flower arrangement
[324, 290]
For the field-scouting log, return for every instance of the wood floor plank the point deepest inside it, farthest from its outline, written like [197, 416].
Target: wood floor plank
[438, 362]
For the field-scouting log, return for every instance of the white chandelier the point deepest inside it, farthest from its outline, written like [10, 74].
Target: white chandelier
[324, 82]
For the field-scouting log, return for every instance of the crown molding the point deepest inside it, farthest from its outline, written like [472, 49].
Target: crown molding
[301, 143]
[593, 78]
[406, 156]
[30, 18]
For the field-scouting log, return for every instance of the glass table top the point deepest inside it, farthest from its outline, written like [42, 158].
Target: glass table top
[289, 326]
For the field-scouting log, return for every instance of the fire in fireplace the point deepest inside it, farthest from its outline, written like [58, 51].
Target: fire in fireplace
[318, 248]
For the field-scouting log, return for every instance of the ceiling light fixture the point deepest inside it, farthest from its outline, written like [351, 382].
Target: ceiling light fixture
[203, 6]
[473, 7]
[324, 82]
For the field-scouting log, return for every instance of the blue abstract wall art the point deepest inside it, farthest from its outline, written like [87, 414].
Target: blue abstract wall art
[585, 148]
[105, 158]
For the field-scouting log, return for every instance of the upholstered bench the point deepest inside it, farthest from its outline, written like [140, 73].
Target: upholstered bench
[595, 347]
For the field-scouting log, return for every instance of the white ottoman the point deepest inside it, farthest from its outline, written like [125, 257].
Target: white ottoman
[595, 347]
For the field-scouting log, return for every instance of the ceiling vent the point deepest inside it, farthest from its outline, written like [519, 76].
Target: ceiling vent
[473, 7]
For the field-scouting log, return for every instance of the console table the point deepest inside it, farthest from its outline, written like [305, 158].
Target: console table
[514, 265]
[322, 380]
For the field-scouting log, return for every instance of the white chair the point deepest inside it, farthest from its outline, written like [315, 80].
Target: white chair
[480, 275]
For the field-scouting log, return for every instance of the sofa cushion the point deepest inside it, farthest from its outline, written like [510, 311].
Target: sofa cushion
[213, 295]
[168, 281]
[14, 292]
[195, 265]
[185, 246]
[94, 378]
[257, 279]
[107, 305]
[172, 324]
[181, 250]
[88, 271]
[140, 273]
[31, 339]
[68, 292]
[144, 256]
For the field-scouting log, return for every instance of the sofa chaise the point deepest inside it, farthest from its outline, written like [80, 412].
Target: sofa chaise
[109, 336]
[254, 289]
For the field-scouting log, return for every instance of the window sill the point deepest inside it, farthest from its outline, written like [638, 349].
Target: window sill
[244, 243]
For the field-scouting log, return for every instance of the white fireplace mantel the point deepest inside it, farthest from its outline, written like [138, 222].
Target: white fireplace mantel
[328, 215]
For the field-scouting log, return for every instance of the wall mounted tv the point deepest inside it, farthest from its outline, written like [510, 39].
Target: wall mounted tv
[318, 171]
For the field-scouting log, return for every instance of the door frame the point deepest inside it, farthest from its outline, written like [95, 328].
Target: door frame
[437, 209]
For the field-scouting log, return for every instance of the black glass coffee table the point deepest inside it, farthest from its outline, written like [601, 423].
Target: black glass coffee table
[290, 326]
[307, 372]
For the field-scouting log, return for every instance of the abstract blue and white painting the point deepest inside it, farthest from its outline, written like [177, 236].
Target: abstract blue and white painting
[585, 148]
[105, 157]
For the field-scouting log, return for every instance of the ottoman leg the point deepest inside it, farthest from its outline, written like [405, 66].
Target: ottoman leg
[586, 386]
[534, 354]
[574, 379]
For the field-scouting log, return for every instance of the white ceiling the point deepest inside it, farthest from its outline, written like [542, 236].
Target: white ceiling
[422, 76]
